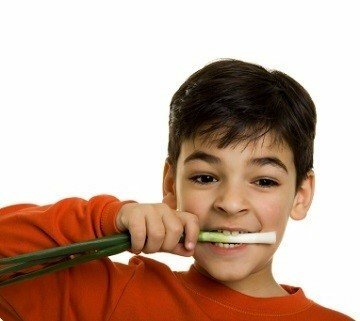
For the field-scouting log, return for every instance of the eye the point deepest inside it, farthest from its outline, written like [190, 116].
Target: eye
[202, 179]
[266, 183]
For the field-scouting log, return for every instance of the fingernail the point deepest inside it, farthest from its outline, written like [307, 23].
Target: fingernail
[190, 246]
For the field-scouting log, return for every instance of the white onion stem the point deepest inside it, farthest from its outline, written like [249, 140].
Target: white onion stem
[218, 237]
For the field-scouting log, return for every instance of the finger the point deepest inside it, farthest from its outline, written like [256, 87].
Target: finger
[181, 250]
[155, 233]
[192, 229]
[137, 230]
[173, 231]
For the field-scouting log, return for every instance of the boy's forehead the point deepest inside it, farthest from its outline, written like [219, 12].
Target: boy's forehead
[264, 146]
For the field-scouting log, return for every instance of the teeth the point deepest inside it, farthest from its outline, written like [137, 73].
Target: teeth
[226, 245]
[225, 232]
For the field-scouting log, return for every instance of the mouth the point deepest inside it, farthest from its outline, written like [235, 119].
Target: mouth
[234, 241]
[228, 247]
[227, 233]
[232, 231]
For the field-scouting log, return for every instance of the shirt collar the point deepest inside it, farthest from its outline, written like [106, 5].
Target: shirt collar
[216, 291]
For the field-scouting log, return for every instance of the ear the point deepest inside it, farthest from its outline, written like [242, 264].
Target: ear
[304, 197]
[169, 193]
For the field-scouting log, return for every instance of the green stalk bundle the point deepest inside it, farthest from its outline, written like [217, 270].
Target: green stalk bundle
[63, 257]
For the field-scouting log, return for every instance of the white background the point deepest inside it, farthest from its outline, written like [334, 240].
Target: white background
[85, 89]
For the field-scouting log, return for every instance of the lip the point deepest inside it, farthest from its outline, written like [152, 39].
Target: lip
[226, 251]
[227, 228]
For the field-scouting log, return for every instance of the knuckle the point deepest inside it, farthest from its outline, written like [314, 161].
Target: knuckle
[194, 219]
[176, 229]
[158, 207]
[136, 228]
[163, 205]
[129, 207]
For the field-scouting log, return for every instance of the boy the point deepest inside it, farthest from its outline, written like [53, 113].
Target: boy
[240, 159]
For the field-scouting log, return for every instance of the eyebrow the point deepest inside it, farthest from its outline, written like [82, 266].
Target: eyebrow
[258, 161]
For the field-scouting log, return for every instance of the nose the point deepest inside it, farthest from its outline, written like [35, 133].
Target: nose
[232, 200]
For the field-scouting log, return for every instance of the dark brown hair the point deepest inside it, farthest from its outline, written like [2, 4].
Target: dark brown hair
[243, 101]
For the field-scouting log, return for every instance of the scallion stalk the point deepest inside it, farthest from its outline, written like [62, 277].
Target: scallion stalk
[62, 257]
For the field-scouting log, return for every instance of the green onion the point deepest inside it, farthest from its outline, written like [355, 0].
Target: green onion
[63, 257]
[218, 237]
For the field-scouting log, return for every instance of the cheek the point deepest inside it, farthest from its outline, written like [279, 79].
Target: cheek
[190, 201]
[273, 214]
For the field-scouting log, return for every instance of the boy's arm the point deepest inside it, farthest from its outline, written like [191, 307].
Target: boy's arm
[27, 228]
[88, 292]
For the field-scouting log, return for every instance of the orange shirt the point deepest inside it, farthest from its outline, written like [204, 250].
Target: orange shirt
[103, 290]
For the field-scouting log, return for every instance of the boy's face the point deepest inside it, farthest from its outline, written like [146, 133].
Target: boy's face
[229, 188]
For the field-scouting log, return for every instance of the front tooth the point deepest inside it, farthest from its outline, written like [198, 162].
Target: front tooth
[226, 232]
[235, 233]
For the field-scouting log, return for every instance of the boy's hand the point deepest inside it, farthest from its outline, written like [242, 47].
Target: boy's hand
[158, 228]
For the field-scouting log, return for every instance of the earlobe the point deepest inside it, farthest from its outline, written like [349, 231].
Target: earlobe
[169, 194]
[304, 197]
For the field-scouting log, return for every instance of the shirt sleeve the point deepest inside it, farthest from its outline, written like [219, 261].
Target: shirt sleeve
[88, 291]
[28, 227]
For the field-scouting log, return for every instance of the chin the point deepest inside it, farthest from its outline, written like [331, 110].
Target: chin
[224, 272]
[232, 269]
